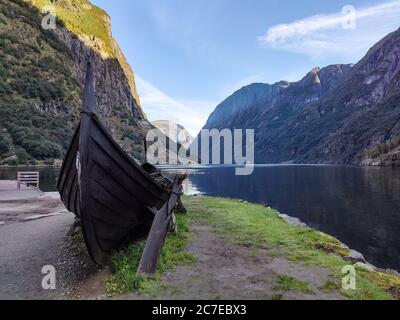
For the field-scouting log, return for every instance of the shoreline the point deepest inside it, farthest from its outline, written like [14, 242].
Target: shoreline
[354, 255]
[267, 259]
[281, 250]
[211, 166]
[200, 166]
[30, 166]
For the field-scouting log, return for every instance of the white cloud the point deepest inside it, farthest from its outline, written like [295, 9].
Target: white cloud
[192, 114]
[347, 33]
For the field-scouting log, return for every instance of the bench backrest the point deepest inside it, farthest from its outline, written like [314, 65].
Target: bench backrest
[28, 178]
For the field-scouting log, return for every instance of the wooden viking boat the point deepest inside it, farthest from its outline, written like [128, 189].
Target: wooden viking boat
[114, 198]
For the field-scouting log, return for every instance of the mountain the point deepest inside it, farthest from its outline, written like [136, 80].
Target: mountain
[41, 80]
[174, 130]
[340, 114]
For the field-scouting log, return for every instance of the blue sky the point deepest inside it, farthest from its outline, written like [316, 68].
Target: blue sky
[189, 55]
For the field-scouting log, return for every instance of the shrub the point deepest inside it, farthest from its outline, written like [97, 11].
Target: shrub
[382, 148]
[43, 150]
[11, 162]
[49, 162]
[4, 88]
[4, 148]
[22, 155]
[130, 134]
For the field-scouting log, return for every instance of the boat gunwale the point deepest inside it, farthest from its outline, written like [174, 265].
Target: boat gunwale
[125, 155]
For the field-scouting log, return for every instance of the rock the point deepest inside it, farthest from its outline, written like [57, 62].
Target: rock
[355, 256]
[292, 221]
[2, 222]
[365, 266]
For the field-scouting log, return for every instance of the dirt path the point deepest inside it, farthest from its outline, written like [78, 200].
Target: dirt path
[25, 247]
[229, 272]
[223, 270]
[31, 209]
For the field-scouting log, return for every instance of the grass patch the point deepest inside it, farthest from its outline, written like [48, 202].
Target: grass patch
[257, 228]
[386, 282]
[260, 227]
[330, 286]
[82, 18]
[286, 283]
[276, 297]
[125, 263]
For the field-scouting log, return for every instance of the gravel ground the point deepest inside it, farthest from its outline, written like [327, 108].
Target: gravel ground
[27, 246]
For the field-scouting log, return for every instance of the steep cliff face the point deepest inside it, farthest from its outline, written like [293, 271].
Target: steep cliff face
[240, 102]
[341, 114]
[171, 150]
[42, 74]
[115, 105]
[274, 107]
[173, 131]
[361, 114]
[92, 26]
[262, 100]
[39, 91]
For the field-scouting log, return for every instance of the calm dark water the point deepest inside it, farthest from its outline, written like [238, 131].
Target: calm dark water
[48, 176]
[359, 206]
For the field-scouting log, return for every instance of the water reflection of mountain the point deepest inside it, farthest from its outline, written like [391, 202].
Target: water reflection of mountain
[360, 206]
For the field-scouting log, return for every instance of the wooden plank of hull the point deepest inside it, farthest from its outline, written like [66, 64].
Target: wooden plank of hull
[67, 182]
[141, 180]
[104, 187]
[114, 200]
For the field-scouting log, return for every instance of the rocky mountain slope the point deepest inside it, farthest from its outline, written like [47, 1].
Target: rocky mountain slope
[170, 149]
[41, 80]
[174, 131]
[341, 114]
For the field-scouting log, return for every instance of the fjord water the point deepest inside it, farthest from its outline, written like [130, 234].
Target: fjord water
[358, 205]
[48, 176]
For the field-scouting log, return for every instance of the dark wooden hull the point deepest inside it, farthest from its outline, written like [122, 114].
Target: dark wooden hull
[107, 190]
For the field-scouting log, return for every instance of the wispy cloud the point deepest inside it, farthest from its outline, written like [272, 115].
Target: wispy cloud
[192, 114]
[346, 32]
[189, 32]
[230, 89]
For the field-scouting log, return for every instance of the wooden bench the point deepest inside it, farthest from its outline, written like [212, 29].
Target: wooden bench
[28, 179]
